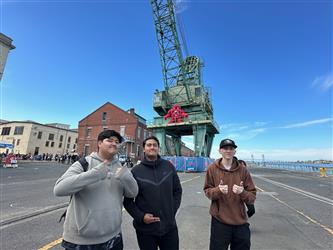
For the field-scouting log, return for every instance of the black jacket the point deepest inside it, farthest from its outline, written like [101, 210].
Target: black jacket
[159, 194]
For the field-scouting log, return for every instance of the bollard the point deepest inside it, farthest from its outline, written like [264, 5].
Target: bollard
[323, 172]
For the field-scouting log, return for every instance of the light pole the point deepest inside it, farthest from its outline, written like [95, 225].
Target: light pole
[5, 46]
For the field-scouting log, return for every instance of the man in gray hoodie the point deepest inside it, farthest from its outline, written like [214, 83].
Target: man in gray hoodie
[94, 214]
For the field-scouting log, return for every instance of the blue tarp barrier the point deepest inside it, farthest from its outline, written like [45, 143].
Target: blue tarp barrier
[189, 164]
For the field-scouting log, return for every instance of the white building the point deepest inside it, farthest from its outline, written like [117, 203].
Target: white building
[5, 46]
[35, 138]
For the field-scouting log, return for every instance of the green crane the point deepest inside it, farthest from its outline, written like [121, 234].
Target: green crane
[182, 86]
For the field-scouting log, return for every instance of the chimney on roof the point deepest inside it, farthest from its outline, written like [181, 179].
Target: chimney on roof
[131, 111]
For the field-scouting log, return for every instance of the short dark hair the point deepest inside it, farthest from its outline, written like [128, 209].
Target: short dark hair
[109, 133]
[150, 138]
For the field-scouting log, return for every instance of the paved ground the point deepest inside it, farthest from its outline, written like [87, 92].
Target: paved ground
[294, 210]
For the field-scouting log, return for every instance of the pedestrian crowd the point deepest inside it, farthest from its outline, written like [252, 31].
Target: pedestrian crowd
[66, 158]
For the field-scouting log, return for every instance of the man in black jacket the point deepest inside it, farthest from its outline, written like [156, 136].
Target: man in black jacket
[155, 207]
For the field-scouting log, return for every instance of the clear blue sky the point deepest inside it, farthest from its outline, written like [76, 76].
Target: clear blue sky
[268, 64]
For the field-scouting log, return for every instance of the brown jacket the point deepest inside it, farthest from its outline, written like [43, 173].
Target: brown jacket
[229, 208]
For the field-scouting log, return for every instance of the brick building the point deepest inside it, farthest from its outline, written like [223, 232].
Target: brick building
[129, 124]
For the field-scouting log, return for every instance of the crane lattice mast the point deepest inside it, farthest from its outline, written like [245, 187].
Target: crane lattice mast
[182, 87]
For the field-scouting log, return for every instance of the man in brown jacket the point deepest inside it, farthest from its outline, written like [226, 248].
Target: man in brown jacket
[229, 186]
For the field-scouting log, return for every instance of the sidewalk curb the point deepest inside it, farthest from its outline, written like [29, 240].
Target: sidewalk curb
[36, 213]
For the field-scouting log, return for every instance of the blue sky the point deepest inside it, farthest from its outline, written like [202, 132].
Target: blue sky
[268, 64]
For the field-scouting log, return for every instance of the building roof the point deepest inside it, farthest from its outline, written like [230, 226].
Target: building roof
[7, 41]
[109, 103]
[45, 125]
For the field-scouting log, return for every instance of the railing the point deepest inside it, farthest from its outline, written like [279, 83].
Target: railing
[295, 166]
[192, 119]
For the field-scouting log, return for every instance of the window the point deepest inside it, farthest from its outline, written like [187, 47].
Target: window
[76, 140]
[197, 91]
[104, 116]
[39, 136]
[139, 132]
[5, 131]
[51, 137]
[61, 137]
[47, 143]
[69, 139]
[138, 150]
[144, 134]
[36, 150]
[86, 149]
[68, 146]
[19, 130]
[88, 132]
[122, 130]
[18, 142]
[74, 146]
[60, 145]
[52, 144]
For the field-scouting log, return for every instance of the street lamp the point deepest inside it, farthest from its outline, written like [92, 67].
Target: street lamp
[5, 46]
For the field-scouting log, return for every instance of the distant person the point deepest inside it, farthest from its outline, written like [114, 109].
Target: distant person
[229, 186]
[129, 162]
[250, 207]
[94, 214]
[155, 207]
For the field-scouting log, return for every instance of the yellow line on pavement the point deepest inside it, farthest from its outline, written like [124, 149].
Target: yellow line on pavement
[50, 245]
[58, 241]
[330, 230]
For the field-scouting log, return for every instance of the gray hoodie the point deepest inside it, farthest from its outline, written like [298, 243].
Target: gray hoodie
[95, 212]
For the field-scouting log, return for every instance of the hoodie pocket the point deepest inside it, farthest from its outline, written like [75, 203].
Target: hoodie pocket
[100, 222]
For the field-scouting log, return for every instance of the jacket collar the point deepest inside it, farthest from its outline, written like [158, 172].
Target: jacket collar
[234, 166]
[151, 164]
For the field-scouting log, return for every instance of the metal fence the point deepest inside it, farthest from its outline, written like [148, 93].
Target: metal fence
[295, 166]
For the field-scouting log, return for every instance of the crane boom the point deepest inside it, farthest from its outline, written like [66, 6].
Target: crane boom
[173, 67]
[184, 94]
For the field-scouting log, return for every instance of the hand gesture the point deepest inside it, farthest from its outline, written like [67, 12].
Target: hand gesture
[149, 218]
[103, 168]
[118, 170]
[238, 189]
[223, 188]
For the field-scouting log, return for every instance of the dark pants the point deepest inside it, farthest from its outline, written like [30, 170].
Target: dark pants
[168, 241]
[223, 235]
[115, 243]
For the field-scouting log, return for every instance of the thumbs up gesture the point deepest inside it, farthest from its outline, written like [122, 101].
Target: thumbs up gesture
[238, 189]
[223, 188]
